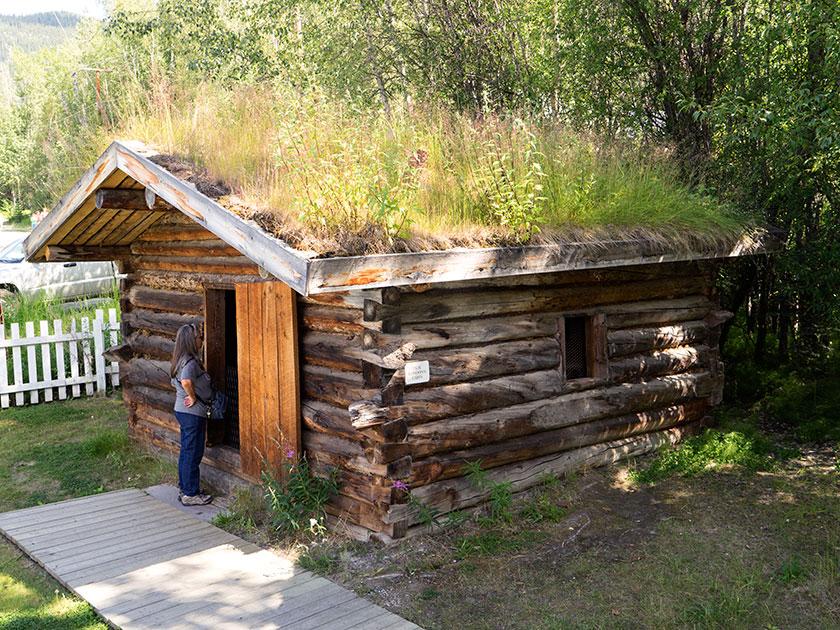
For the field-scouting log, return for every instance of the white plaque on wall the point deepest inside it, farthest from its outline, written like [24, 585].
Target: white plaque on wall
[416, 372]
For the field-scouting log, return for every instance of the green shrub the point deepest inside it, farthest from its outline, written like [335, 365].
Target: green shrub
[296, 497]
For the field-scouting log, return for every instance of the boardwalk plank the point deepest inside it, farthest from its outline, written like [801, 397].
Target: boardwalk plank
[144, 565]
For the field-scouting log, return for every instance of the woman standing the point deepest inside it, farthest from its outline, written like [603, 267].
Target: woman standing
[192, 386]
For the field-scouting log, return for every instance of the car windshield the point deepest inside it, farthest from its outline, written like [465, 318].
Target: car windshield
[13, 253]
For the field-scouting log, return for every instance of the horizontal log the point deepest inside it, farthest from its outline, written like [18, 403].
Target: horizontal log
[128, 199]
[542, 415]
[231, 265]
[644, 314]
[201, 248]
[328, 319]
[340, 453]
[331, 350]
[631, 341]
[634, 273]
[325, 418]
[460, 493]
[441, 305]
[82, 253]
[194, 280]
[338, 387]
[545, 443]
[163, 323]
[141, 371]
[165, 419]
[185, 302]
[671, 361]
[152, 346]
[360, 486]
[481, 362]
[426, 336]
[386, 452]
[121, 353]
[149, 396]
[168, 233]
[422, 404]
[343, 299]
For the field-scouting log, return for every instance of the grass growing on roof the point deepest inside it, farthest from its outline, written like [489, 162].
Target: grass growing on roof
[335, 179]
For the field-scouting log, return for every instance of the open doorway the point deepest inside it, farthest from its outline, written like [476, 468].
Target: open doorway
[221, 358]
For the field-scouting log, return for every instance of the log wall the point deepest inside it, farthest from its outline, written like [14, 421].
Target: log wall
[496, 390]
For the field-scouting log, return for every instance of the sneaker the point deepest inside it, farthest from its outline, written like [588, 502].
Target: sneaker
[196, 499]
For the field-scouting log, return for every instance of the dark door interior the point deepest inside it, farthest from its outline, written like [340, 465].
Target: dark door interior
[221, 353]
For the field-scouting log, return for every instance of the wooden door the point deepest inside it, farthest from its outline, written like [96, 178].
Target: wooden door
[269, 393]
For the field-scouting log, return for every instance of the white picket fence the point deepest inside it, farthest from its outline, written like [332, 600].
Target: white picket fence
[60, 357]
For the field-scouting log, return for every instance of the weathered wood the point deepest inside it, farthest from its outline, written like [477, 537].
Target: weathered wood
[459, 493]
[427, 336]
[339, 351]
[441, 266]
[80, 253]
[199, 248]
[341, 453]
[596, 342]
[386, 452]
[671, 361]
[343, 321]
[186, 281]
[168, 233]
[338, 387]
[356, 485]
[185, 302]
[631, 341]
[268, 374]
[451, 464]
[152, 346]
[164, 323]
[554, 413]
[645, 314]
[128, 199]
[121, 353]
[205, 264]
[153, 202]
[141, 371]
[326, 418]
[215, 349]
[149, 396]
[442, 305]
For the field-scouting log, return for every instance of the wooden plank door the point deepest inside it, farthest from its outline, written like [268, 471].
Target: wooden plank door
[269, 392]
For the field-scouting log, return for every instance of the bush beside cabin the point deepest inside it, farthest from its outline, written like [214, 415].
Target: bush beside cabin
[540, 359]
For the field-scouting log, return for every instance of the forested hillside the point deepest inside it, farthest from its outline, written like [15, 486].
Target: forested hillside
[737, 100]
[31, 32]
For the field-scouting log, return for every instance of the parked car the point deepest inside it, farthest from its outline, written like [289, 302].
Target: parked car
[67, 280]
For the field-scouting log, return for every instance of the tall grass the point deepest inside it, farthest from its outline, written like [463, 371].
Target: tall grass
[332, 178]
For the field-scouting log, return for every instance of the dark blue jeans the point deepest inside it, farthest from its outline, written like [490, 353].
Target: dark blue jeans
[193, 430]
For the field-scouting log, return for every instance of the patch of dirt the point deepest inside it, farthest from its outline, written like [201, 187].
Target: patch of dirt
[204, 182]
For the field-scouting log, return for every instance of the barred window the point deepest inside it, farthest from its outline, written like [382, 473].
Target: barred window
[584, 347]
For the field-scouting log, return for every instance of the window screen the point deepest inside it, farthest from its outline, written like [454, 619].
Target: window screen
[576, 348]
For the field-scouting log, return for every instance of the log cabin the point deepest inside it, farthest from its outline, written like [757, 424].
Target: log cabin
[397, 367]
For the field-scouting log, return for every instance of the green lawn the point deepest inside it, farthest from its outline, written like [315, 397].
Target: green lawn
[48, 453]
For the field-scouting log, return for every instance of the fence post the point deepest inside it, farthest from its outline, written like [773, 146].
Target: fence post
[98, 349]
[4, 371]
[86, 358]
[46, 361]
[60, 367]
[115, 367]
[32, 365]
[17, 366]
[74, 358]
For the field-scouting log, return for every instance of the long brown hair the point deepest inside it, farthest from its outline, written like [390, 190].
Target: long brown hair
[186, 347]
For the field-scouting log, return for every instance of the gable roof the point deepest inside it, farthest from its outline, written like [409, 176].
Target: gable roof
[75, 224]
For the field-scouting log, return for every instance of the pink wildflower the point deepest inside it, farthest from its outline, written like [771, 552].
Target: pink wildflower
[400, 485]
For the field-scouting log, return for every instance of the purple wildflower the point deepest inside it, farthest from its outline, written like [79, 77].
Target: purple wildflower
[400, 485]
[290, 452]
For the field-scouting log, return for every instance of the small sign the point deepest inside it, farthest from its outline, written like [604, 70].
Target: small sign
[416, 372]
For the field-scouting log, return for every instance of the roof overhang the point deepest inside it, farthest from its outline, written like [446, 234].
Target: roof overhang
[308, 275]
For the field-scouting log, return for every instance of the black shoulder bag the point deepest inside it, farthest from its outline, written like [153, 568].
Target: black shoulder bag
[216, 406]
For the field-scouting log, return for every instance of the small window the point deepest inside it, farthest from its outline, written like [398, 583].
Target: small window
[584, 347]
[576, 350]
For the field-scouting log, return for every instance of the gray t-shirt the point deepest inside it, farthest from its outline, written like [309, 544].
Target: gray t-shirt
[191, 369]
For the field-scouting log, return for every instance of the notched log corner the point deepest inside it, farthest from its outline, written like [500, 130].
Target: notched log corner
[121, 353]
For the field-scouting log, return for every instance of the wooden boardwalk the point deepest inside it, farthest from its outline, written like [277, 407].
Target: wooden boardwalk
[143, 564]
